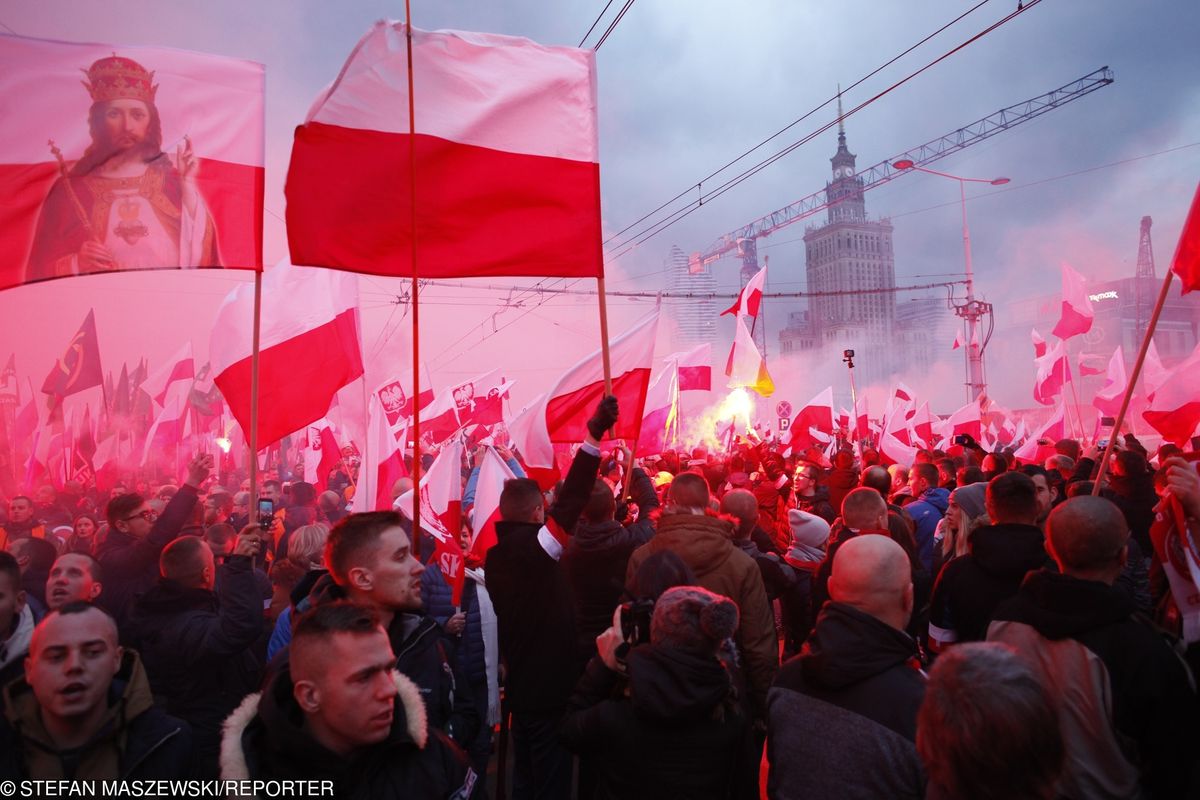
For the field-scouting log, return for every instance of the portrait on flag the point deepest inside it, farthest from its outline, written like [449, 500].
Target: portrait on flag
[127, 158]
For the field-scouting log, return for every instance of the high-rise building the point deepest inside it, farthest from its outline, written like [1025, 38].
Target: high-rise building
[697, 319]
[850, 254]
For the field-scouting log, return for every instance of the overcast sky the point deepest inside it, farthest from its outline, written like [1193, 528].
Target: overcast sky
[686, 85]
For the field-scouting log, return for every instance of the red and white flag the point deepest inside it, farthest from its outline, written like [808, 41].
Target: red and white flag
[1039, 344]
[1055, 428]
[309, 348]
[816, 414]
[1175, 409]
[966, 420]
[478, 401]
[167, 428]
[1077, 314]
[1053, 373]
[958, 340]
[746, 366]
[695, 369]
[892, 446]
[397, 405]
[561, 414]
[922, 425]
[382, 463]
[173, 377]
[1108, 398]
[493, 472]
[662, 414]
[1090, 364]
[1186, 263]
[749, 300]
[1154, 374]
[507, 169]
[441, 515]
[169, 174]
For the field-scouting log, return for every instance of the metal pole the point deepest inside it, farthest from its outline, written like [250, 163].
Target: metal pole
[974, 353]
[416, 329]
[254, 395]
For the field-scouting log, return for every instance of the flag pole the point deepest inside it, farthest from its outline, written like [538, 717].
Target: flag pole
[253, 510]
[1075, 394]
[1133, 379]
[416, 330]
[604, 337]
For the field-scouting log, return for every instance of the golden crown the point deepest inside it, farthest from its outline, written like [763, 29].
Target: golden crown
[117, 77]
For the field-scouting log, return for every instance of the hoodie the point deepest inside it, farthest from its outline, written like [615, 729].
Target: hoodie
[842, 715]
[926, 512]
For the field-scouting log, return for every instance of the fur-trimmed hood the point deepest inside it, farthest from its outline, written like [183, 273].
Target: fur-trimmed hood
[410, 726]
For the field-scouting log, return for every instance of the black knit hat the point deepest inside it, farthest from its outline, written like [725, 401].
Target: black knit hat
[693, 619]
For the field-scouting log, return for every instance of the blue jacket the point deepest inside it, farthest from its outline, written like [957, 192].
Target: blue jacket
[436, 593]
[927, 511]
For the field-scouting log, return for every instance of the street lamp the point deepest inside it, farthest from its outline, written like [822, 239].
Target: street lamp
[973, 310]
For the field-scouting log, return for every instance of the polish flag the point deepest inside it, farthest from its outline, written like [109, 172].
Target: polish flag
[1186, 263]
[892, 446]
[309, 348]
[1154, 374]
[1053, 373]
[746, 367]
[174, 377]
[397, 404]
[965, 420]
[1077, 311]
[210, 109]
[922, 425]
[662, 414]
[507, 170]
[1039, 344]
[695, 369]
[441, 515]
[1090, 364]
[26, 423]
[1175, 410]
[816, 413]
[749, 300]
[1033, 452]
[167, 428]
[493, 472]
[1108, 398]
[382, 463]
[474, 402]
[561, 414]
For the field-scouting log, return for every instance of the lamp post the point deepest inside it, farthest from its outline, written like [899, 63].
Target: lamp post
[973, 310]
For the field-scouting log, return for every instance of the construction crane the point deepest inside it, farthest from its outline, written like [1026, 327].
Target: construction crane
[1146, 283]
[744, 240]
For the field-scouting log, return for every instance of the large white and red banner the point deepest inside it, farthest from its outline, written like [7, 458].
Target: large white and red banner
[507, 178]
[125, 158]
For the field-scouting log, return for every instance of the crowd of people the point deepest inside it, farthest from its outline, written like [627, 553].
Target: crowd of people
[690, 625]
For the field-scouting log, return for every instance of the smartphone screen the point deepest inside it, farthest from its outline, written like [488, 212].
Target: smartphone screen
[266, 508]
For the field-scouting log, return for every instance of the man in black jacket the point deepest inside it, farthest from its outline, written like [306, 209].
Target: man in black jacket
[84, 710]
[1127, 704]
[203, 649]
[842, 715]
[971, 587]
[136, 537]
[536, 619]
[339, 712]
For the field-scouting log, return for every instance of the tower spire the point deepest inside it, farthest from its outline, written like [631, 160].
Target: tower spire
[841, 125]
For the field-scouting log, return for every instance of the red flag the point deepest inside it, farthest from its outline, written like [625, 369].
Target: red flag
[493, 472]
[561, 415]
[180, 184]
[695, 369]
[1090, 364]
[397, 404]
[1054, 429]
[1187, 254]
[746, 366]
[1077, 311]
[816, 413]
[749, 300]
[1175, 409]
[79, 366]
[508, 178]
[1053, 373]
[309, 348]
[965, 420]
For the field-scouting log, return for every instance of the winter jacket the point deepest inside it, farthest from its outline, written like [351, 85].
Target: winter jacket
[12, 531]
[840, 482]
[15, 647]
[705, 545]
[203, 650]
[438, 597]
[972, 586]
[130, 565]
[842, 715]
[595, 561]
[135, 741]
[1135, 496]
[265, 739]
[281, 636]
[926, 511]
[1127, 707]
[817, 504]
[532, 597]
[678, 733]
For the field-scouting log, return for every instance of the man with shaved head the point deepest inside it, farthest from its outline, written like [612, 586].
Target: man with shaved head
[1128, 706]
[843, 714]
[84, 710]
[73, 577]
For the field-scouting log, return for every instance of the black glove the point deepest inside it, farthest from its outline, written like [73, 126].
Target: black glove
[604, 418]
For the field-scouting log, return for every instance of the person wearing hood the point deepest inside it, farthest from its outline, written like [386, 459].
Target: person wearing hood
[16, 621]
[705, 543]
[203, 642]
[971, 587]
[661, 718]
[842, 715]
[598, 553]
[84, 709]
[1127, 701]
[340, 712]
[842, 478]
[927, 508]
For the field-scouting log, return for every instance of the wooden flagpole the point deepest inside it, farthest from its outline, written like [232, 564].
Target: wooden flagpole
[604, 356]
[1075, 394]
[253, 509]
[1133, 378]
[416, 329]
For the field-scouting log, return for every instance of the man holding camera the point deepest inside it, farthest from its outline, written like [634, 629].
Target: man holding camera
[203, 649]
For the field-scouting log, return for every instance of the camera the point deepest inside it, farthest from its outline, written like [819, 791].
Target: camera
[266, 513]
[635, 621]
[848, 358]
